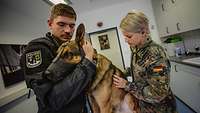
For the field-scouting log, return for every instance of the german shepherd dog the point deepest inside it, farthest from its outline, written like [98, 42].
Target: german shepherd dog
[103, 96]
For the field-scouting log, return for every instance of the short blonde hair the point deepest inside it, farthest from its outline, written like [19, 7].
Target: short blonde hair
[135, 21]
[62, 10]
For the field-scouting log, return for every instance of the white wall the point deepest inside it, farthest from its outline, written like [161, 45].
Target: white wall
[22, 20]
[111, 17]
[19, 26]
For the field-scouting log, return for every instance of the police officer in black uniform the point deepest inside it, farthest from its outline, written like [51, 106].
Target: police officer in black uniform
[64, 95]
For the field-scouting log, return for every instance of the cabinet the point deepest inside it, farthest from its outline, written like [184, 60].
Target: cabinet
[176, 16]
[185, 84]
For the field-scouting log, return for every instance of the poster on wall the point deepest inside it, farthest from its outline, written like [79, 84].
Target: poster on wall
[10, 63]
[106, 42]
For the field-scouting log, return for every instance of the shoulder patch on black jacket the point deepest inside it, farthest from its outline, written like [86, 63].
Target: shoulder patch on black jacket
[33, 59]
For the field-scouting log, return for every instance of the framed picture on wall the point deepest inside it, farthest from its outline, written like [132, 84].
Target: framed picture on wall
[12, 77]
[9, 63]
[106, 42]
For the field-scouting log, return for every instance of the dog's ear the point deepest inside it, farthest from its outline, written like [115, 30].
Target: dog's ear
[80, 34]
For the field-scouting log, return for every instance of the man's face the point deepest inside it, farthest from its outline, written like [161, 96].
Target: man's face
[62, 27]
[133, 39]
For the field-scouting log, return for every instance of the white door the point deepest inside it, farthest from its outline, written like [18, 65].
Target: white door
[107, 43]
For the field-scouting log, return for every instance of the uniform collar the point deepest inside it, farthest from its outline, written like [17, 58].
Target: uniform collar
[50, 35]
[139, 50]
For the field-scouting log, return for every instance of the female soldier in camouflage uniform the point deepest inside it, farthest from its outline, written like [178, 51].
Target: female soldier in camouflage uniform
[150, 67]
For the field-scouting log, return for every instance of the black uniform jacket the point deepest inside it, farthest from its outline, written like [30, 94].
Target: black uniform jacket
[64, 96]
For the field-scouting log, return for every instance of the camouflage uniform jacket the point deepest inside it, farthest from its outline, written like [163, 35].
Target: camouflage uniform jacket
[151, 71]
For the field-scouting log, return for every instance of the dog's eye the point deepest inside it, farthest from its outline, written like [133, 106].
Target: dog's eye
[68, 54]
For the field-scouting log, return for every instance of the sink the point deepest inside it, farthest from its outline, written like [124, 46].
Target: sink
[195, 60]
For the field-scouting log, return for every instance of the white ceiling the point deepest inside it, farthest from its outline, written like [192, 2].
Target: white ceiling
[36, 9]
[79, 5]
[89, 5]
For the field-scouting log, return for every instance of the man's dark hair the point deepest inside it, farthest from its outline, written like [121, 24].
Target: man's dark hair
[62, 10]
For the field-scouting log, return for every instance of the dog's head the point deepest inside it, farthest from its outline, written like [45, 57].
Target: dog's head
[71, 51]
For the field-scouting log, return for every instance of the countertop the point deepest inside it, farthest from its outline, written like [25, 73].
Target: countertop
[183, 57]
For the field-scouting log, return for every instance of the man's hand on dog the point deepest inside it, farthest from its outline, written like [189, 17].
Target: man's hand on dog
[88, 49]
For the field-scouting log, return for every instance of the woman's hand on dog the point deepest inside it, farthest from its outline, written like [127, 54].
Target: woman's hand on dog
[88, 49]
[119, 82]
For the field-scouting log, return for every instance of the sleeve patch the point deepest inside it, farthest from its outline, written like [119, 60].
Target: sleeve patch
[33, 59]
[159, 68]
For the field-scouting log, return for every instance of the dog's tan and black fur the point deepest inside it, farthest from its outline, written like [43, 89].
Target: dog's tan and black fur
[103, 96]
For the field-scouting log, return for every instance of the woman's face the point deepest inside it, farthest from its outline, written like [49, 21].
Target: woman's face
[134, 39]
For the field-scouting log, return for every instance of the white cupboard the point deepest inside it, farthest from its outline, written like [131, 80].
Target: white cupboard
[176, 16]
[185, 84]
